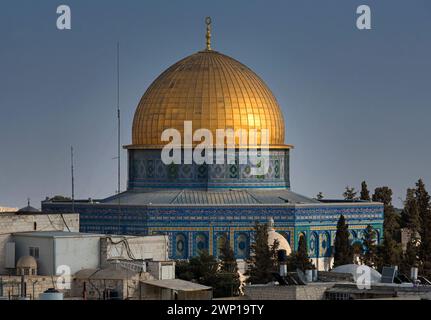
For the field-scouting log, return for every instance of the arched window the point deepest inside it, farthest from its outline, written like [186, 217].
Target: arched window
[242, 246]
[201, 242]
[352, 236]
[377, 236]
[314, 245]
[181, 246]
[221, 242]
[325, 244]
[302, 234]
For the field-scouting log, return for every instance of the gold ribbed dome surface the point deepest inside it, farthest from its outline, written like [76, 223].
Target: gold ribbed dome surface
[213, 91]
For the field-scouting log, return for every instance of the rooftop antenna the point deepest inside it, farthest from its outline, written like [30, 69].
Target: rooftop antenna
[118, 136]
[73, 179]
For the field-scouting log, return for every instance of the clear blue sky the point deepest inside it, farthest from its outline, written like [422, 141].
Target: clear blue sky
[356, 103]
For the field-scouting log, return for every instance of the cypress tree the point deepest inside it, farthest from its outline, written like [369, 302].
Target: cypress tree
[365, 194]
[410, 217]
[228, 276]
[410, 257]
[343, 252]
[227, 259]
[302, 261]
[369, 247]
[261, 260]
[390, 249]
[423, 201]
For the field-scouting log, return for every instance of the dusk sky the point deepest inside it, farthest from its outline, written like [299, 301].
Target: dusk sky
[356, 103]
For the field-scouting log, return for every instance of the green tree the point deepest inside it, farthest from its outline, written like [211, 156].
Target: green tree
[410, 217]
[369, 247]
[390, 250]
[261, 262]
[423, 201]
[365, 194]
[229, 281]
[383, 194]
[222, 276]
[343, 252]
[203, 267]
[301, 260]
[319, 196]
[411, 256]
[350, 194]
[184, 271]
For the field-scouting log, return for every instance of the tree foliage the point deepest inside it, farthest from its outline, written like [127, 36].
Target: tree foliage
[390, 250]
[369, 247]
[350, 193]
[222, 275]
[301, 258]
[262, 260]
[228, 276]
[410, 217]
[410, 257]
[343, 251]
[365, 194]
[423, 202]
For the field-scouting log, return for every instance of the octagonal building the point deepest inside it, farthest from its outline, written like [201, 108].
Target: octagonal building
[201, 206]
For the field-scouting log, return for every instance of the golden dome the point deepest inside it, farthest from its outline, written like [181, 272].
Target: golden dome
[213, 91]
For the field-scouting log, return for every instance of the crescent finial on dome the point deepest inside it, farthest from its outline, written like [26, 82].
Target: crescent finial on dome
[208, 36]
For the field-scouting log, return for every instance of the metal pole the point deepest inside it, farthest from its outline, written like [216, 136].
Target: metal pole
[73, 180]
[119, 137]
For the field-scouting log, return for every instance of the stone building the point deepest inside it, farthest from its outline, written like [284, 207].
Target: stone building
[29, 221]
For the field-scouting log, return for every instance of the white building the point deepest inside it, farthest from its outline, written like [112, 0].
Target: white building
[57, 252]
[29, 221]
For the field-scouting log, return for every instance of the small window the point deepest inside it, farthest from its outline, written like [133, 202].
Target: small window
[34, 252]
[34, 226]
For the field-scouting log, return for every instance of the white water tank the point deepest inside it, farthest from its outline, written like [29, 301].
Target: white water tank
[315, 275]
[309, 275]
[414, 273]
[51, 294]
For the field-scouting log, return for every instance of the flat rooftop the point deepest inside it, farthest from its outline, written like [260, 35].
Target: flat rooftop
[57, 234]
[177, 284]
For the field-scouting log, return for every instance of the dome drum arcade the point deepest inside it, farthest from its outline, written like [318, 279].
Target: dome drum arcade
[203, 205]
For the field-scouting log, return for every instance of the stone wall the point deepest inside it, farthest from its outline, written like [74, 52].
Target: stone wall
[314, 291]
[96, 289]
[15, 222]
[35, 285]
[121, 247]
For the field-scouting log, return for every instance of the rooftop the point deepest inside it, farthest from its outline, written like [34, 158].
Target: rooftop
[203, 197]
[177, 284]
[56, 234]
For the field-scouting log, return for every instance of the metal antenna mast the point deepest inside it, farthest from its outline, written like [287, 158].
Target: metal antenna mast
[119, 136]
[73, 179]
